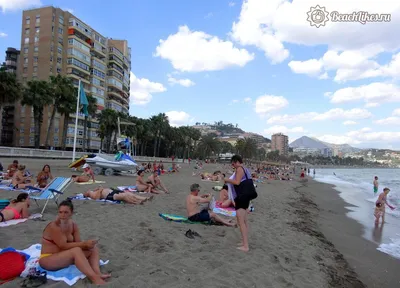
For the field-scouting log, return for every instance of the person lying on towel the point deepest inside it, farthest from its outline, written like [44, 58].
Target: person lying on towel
[115, 195]
[193, 211]
[17, 209]
[224, 201]
[155, 180]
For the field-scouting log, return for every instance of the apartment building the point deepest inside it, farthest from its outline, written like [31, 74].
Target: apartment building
[54, 42]
[280, 142]
[11, 60]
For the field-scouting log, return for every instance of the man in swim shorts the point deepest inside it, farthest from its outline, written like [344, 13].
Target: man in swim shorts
[376, 185]
[193, 211]
[115, 195]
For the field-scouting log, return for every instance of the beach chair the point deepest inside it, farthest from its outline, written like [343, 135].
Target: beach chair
[52, 191]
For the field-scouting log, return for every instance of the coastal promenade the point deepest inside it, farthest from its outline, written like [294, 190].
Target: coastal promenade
[11, 152]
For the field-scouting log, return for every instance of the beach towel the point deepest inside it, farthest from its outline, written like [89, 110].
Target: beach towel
[69, 275]
[179, 219]
[8, 187]
[129, 188]
[17, 221]
[207, 180]
[81, 197]
[90, 182]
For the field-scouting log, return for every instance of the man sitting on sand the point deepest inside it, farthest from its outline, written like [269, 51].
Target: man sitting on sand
[115, 195]
[193, 211]
[155, 180]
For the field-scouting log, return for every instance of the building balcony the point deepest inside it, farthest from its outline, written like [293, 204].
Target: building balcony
[98, 53]
[82, 36]
[78, 75]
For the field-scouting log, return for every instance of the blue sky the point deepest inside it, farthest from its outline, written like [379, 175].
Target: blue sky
[256, 63]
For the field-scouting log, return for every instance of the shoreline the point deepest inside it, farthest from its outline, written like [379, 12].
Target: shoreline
[374, 268]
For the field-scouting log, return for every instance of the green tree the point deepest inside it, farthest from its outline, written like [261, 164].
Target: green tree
[63, 95]
[208, 144]
[66, 108]
[92, 109]
[108, 119]
[160, 123]
[37, 94]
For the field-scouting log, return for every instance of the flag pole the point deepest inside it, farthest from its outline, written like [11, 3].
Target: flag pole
[76, 121]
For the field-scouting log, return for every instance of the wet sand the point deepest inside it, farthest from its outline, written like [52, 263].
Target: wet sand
[298, 238]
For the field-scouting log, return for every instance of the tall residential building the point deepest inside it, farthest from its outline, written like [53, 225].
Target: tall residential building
[7, 118]
[55, 42]
[280, 142]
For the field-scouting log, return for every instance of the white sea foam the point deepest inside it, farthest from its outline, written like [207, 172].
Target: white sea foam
[392, 248]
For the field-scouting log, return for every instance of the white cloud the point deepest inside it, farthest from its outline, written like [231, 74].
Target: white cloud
[178, 118]
[69, 10]
[15, 5]
[182, 82]
[389, 121]
[374, 93]
[349, 122]
[268, 103]
[247, 100]
[338, 139]
[196, 51]
[396, 112]
[209, 15]
[333, 114]
[283, 129]
[362, 136]
[231, 4]
[142, 89]
[2, 35]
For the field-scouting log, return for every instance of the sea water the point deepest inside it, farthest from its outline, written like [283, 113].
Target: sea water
[356, 188]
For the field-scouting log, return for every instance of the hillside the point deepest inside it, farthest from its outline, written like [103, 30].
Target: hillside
[345, 148]
[308, 142]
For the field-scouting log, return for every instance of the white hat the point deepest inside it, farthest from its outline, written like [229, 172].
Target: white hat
[86, 166]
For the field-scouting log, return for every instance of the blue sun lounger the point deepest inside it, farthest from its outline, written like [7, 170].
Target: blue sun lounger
[52, 191]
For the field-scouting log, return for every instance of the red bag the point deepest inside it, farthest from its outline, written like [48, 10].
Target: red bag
[11, 265]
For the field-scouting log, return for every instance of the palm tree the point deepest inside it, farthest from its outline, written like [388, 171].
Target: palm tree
[246, 147]
[10, 91]
[108, 123]
[37, 94]
[92, 109]
[64, 93]
[66, 108]
[159, 123]
[207, 145]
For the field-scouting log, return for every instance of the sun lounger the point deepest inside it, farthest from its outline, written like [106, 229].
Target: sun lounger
[52, 191]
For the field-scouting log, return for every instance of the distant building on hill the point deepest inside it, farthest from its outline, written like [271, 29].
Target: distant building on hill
[280, 142]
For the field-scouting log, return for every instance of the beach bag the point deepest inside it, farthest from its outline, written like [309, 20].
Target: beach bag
[11, 265]
[247, 187]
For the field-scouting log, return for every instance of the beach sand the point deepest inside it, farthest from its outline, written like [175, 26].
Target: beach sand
[287, 246]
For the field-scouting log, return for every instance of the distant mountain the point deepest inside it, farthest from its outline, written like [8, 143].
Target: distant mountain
[344, 148]
[308, 142]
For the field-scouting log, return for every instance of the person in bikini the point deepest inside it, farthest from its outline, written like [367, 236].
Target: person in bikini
[62, 246]
[224, 201]
[44, 176]
[115, 195]
[192, 206]
[86, 176]
[380, 206]
[11, 169]
[143, 186]
[155, 180]
[19, 180]
[17, 209]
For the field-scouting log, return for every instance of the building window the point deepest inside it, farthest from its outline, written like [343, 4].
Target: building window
[36, 39]
[35, 59]
[34, 78]
[31, 140]
[26, 60]
[28, 20]
[37, 30]
[37, 18]
[26, 41]
[22, 120]
[51, 69]
[22, 130]
[58, 70]
[61, 20]
[26, 50]
[32, 130]
[54, 17]
[35, 68]
[25, 70]
[60, 31]
[51, 58]
[27, 31]
[59, 49]
[60, 40]
[36, 49]
[56, 130]
[52, 28]
[51, 47]
[59, 60]
[21, 141]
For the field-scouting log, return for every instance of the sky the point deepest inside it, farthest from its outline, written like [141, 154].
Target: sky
[256, 63]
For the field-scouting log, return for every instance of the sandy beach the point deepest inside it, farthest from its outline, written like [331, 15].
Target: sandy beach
[299, 237]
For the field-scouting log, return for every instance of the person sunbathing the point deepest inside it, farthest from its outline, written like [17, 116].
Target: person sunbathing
[224, 201]
[62, 246]
[143, 186]
[11, 169]
[115, 195]
[19, 180]
[44, 176]
[193, 212]
[86, 176]
[155, 180]
[17, 209]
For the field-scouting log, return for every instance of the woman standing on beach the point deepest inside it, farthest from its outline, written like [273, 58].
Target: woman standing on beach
[245, 192]
[380, 205]
[62, 246]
